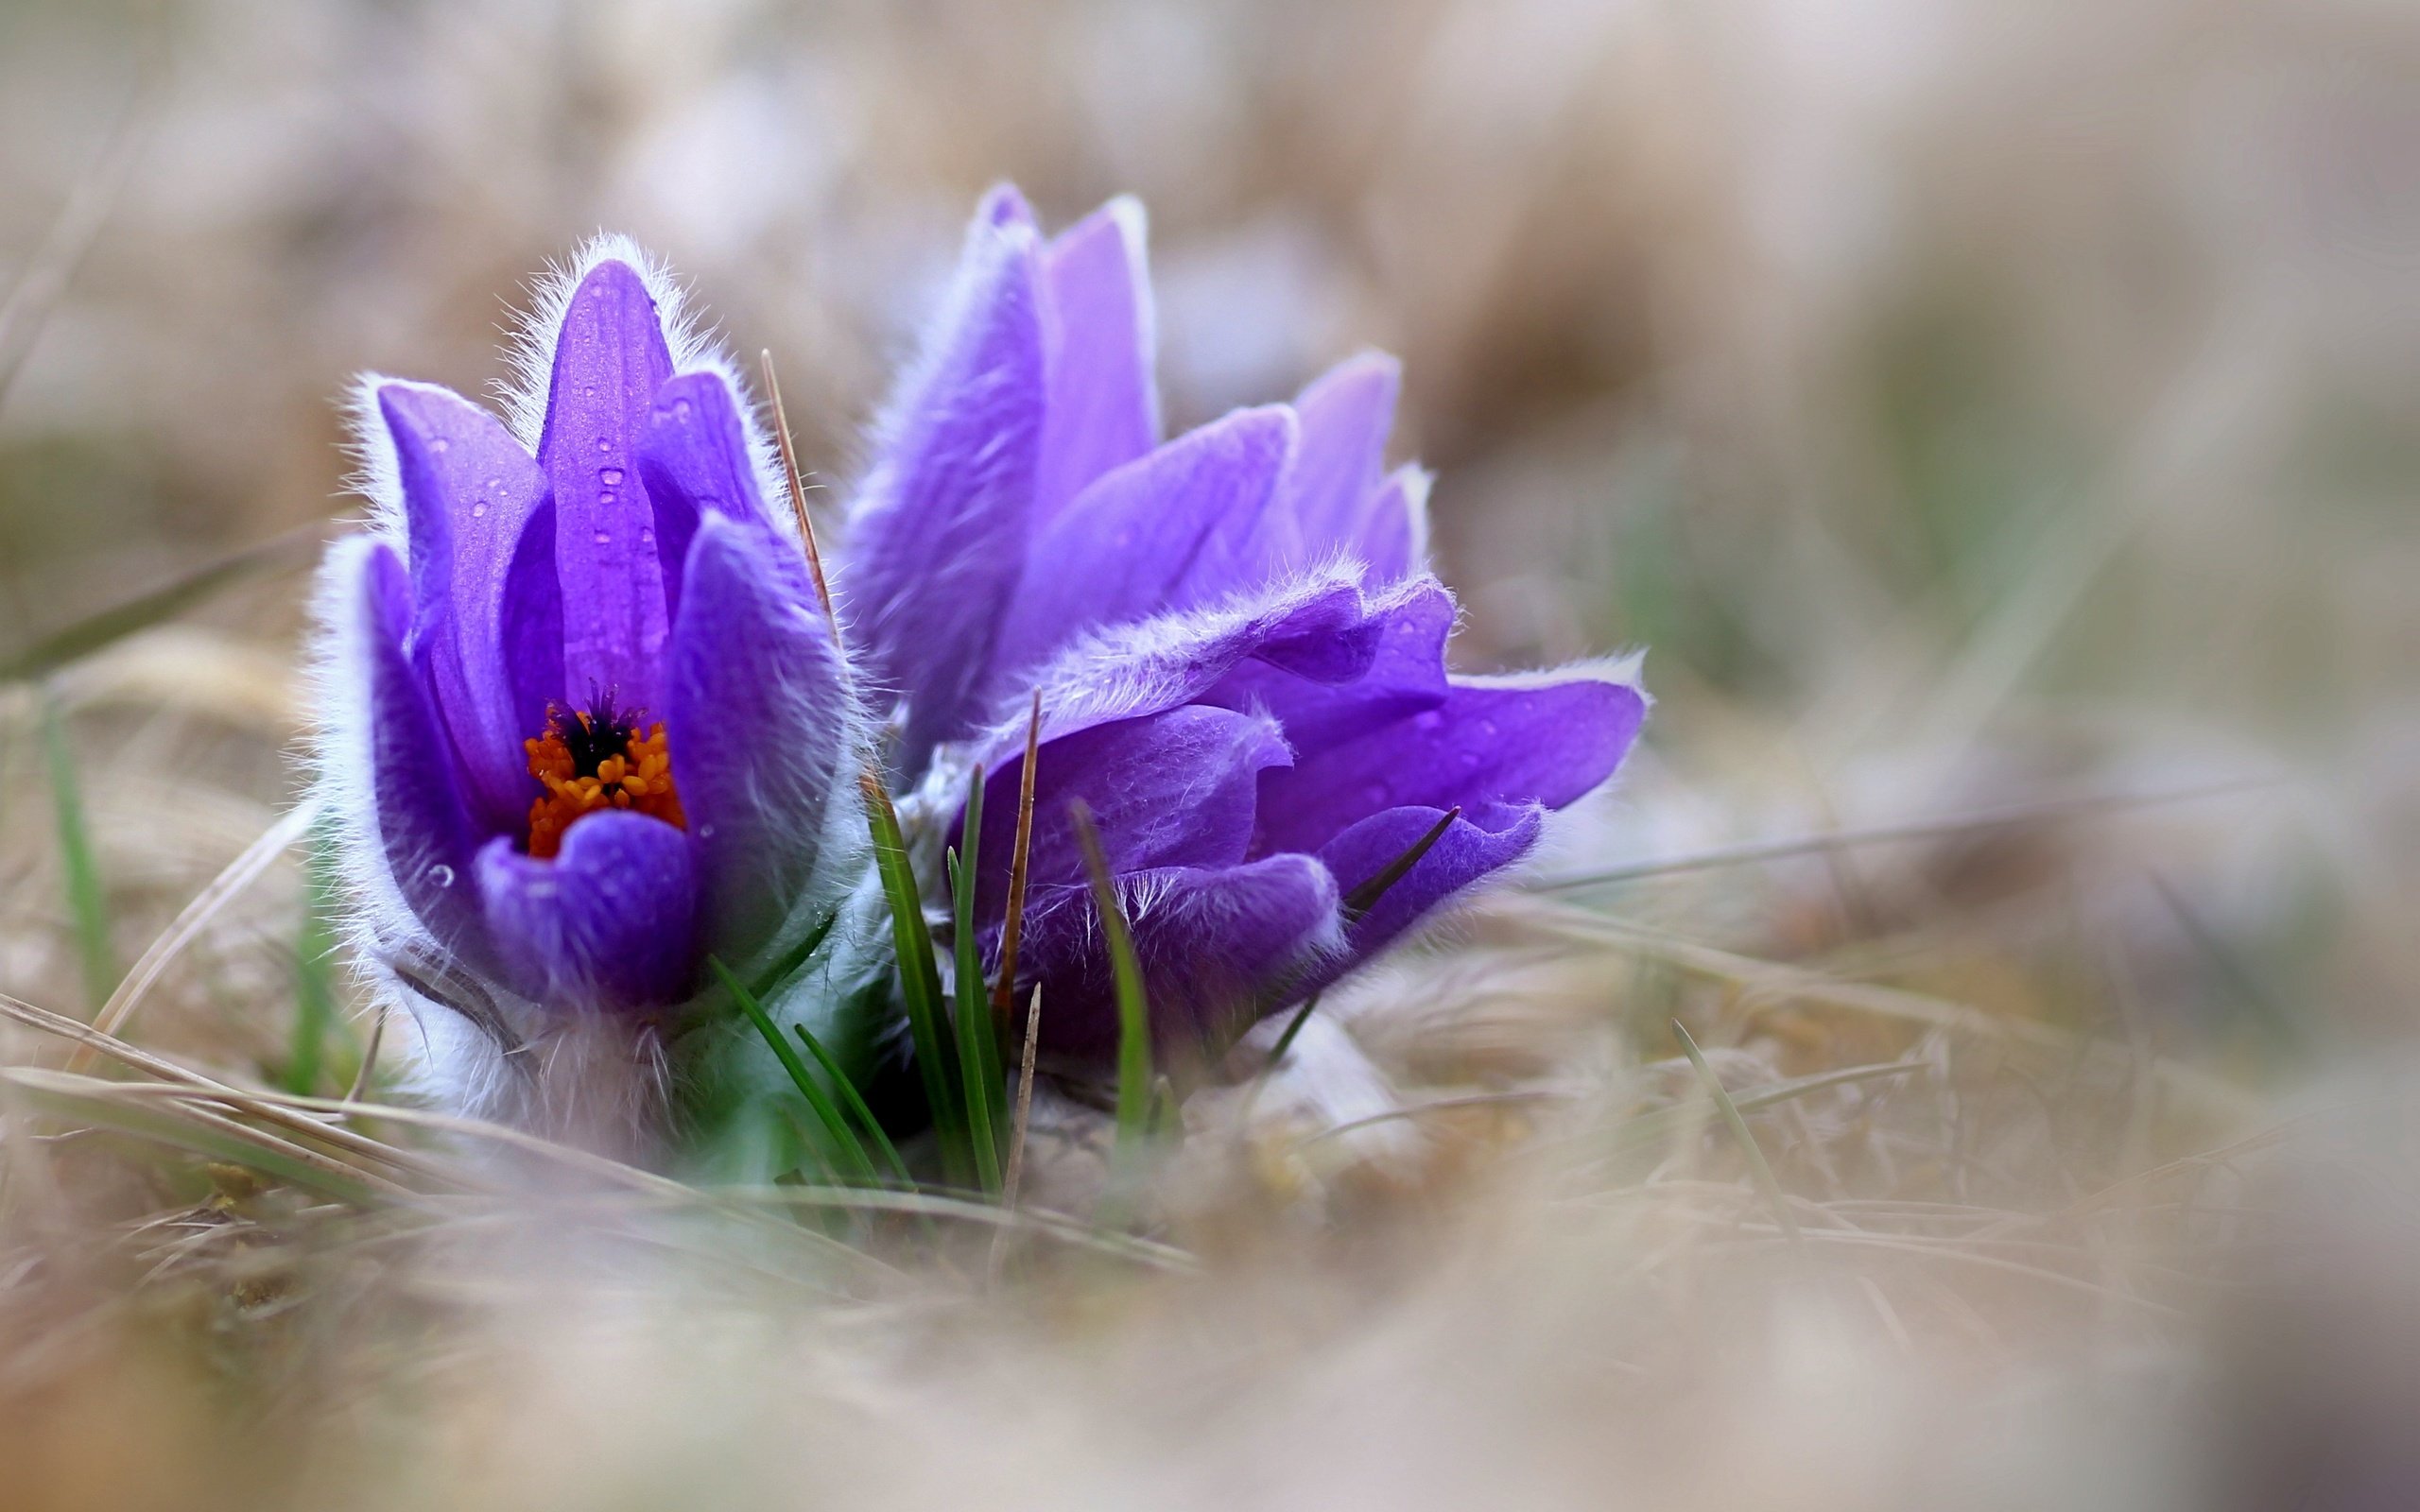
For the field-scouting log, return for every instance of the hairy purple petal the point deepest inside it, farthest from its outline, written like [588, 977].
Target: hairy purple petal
[1550, 743]
[469, 492]
[763, 730]
[1210, 941]
[1392, 536]
[1484, 840]
[1171, 789]
[424, 825]
[1322, 626]
[1188, 525]
[1098, 332]
[693, 458]
[609, 361]
[1346, 414]
[938, 534]
[1407, 675]
[609, 922]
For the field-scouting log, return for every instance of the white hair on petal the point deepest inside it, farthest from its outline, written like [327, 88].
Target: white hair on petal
[375, 474]
[1622, 669]
[378, 925]
[693, 343]
[1110, 671]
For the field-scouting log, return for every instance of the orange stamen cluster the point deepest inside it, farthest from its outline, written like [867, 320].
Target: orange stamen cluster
[624, 769]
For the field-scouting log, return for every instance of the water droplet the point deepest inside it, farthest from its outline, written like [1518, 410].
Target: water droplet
[1470, 761]
[1487, 727]
[496, 484]
[590, 392]
[607, 497]
[604, 443]
[439, 443]
[647, 537]
[681, 407]
[441, 875]
[1428, 719]
[604, 538]
[610, 476]
[479, 510]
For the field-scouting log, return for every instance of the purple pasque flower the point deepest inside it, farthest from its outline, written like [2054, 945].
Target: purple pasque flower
[1240, 655]
[583, 720]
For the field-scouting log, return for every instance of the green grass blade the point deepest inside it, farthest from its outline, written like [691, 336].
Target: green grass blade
[844, 1144]
[1358, 902]
[920, 983]
[1758, 1169]
[856, 1106]
[73, 642]
[315, 995]
[1135, 1082]
[87, 900]
[967, 1020]
[978, 1047]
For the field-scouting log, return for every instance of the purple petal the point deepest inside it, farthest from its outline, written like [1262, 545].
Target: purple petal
[1346, 414]
[1318, 626]
[609, 360]
[693, 456]
[763, 731]
[1188, 525]
[938, 536]
[1407, 674]
[1173, 789]
[1098, 332]
[609, 922]
[1485, 839]
[1392, 536]
[469, 492]
[1004, 206]
[533, 622]
[1548, 743]
[422, 823]
[1212, 943]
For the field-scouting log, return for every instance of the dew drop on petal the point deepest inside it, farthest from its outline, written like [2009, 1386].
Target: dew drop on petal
[440, 444]
[1427, 720]
[604, 443]
[681, 407]
[610, 476]
[441, 875]
[604, 538]
[705, 832]
[607, 497]
[480, 509]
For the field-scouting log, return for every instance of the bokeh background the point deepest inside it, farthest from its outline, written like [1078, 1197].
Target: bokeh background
[1967, 402]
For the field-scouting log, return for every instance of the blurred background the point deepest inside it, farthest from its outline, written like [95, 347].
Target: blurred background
[1967, 402]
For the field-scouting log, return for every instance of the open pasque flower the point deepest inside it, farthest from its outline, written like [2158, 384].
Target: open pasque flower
[1240, 655]
[583, 720]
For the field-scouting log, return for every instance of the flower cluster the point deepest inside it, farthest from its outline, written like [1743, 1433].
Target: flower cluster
[589, 722]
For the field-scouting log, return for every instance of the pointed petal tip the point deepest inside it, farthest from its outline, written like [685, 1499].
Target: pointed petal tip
[1003, 206]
